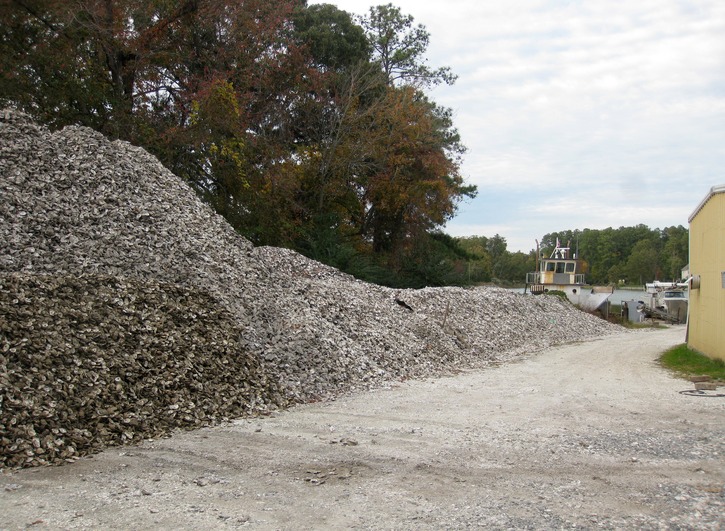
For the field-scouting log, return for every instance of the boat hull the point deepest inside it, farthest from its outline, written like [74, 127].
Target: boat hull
[587, 298]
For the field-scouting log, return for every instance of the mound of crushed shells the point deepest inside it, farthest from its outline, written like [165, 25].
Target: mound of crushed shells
[128, 308]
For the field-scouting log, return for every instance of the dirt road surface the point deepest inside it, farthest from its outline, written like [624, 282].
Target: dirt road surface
[588, 435]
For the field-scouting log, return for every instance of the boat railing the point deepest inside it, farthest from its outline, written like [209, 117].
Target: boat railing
[535, 278]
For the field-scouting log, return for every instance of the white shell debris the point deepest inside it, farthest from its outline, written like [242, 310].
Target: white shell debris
[129, 308]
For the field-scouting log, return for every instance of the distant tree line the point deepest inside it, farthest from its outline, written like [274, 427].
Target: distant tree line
[632, 255]
[303, 126]
[627, 255]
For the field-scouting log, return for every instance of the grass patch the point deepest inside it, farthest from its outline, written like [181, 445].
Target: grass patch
[687, 362]
[652, 323]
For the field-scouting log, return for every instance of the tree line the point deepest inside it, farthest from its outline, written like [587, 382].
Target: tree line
[624, 256]
[630, 255]
[305, 127]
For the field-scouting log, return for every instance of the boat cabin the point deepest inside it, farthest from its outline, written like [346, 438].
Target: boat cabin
[675, 294]
[561, 268]
[564, 271]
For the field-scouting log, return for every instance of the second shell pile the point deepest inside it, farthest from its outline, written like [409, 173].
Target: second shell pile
[128, 308]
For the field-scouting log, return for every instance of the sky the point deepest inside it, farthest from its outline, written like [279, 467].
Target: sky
[578, 114]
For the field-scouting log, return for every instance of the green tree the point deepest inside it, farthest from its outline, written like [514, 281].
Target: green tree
[642, 264]
[674, 255]
[496, 247]
[515, 266]
[381, 163]
[69, 62]
[338, 142]
[331, 35]
[242, 162]
[480, 266]
[414, 185]
[399, 47]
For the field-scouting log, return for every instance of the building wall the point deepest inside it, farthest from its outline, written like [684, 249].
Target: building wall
[706, 331]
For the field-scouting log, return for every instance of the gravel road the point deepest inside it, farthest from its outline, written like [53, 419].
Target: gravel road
[588, 435]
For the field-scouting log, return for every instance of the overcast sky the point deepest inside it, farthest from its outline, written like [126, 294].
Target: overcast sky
[579, 114]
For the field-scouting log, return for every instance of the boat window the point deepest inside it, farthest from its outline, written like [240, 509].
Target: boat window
[549, 266]
[570, 267]
[560, 267]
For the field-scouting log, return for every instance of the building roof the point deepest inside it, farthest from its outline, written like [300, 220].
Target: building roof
[719, 189]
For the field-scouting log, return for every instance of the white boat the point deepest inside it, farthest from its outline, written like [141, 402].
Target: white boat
[669, 297]
[563, 271]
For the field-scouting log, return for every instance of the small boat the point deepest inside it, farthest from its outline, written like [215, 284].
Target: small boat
[563, 271]
[669, 297]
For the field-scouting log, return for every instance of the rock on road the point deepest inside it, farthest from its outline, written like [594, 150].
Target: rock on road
[588, 435]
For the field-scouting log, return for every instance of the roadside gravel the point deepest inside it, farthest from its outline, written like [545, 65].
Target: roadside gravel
[592, 435]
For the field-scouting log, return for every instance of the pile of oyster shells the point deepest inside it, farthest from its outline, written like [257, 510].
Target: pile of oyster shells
[128, 308]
